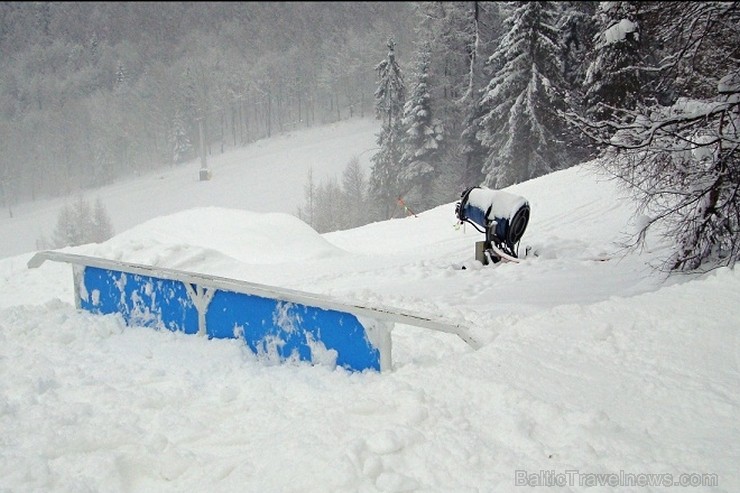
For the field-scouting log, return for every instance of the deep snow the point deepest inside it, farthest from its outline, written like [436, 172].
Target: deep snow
[592, 361]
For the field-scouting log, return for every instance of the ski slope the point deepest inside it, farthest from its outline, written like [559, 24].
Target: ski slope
[595, 369]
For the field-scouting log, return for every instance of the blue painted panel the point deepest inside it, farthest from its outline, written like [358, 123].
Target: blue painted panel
[141, 300]
[284, 331]
[475, 214]
[277, 330]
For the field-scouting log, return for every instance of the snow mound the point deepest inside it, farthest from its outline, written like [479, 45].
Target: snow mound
[203, 238]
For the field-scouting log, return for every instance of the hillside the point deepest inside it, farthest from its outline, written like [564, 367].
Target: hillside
[265, 176]
[594, 370]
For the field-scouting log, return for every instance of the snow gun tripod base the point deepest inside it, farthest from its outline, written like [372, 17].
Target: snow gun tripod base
[488, 253]
[501, 216]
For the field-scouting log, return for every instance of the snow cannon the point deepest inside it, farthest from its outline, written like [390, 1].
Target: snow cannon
[501, 216]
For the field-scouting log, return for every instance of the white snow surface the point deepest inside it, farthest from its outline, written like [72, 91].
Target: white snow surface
[595, 368]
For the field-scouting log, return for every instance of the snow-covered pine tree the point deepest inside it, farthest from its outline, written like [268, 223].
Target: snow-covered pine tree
[681, 159]
[457, 33]
[102, 229]
[74, 224]
[614, 78]
[472, 153]
[578, 30]
[354, 193]
[332, 206]
[329, 215]
[82, 214]
[66, 232]
[421, 141]
[390, 97]
[447, 31]
[182, 148]
[520, 125]
[307, 213]
[78, 223]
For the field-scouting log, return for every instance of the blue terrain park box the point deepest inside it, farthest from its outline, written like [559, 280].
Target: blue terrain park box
[277, 324]
[275, 329]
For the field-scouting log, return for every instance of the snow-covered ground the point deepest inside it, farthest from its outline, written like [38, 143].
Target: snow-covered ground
[596, 372]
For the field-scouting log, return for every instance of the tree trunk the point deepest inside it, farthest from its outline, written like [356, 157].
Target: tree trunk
[242, 123]
[268, 117]
[299, 107]
[233, 125]
[223, 125]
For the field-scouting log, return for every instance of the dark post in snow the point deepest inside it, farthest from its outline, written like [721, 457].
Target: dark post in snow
[205, 173]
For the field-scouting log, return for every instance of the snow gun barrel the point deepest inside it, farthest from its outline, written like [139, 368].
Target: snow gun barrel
[502, 216]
